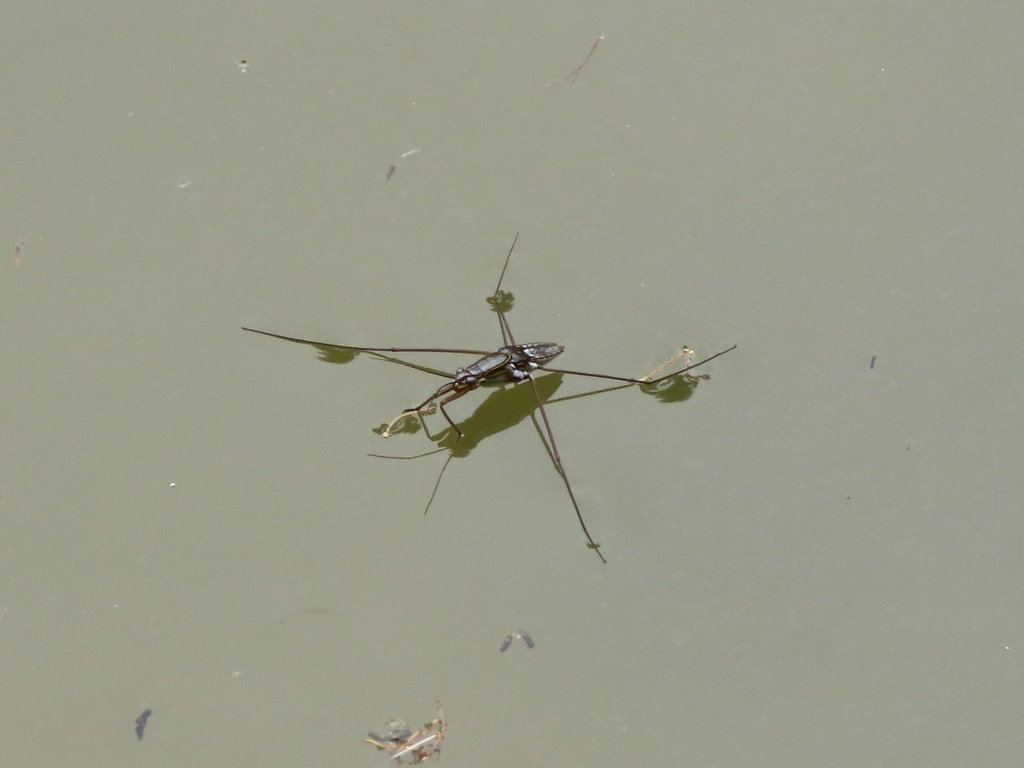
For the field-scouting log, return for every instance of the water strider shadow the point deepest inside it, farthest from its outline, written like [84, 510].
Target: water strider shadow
[509, 406]
[502, 409]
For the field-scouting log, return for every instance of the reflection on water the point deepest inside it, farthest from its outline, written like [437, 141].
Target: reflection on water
[140, 723]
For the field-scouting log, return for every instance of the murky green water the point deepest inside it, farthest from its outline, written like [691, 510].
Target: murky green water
[811, 561]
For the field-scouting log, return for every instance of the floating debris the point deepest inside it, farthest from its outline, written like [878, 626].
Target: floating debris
[404, 745]
[520, 635]
[140, 723]
[574, 75]
[398, 733]
[391, 168]
[873, 357]
[686, 353]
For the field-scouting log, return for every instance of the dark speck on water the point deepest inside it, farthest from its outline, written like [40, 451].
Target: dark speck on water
[873, 361]
[391, 170]
[140, 722]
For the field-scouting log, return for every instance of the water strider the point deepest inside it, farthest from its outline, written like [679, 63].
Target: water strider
[511, 363]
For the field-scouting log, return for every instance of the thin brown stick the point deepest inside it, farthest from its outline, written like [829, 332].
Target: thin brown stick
[572, 76]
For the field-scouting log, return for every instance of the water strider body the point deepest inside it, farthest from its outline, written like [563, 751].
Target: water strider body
[511, 363]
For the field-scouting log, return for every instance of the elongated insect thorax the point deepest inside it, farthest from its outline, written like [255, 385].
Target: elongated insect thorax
[488, 367]
[512, 363]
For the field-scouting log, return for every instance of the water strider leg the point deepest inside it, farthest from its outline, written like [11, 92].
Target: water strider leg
[561, 471]
[352, 348]
[437, 485]
[506, 332]
[445, 402]
[449, 387]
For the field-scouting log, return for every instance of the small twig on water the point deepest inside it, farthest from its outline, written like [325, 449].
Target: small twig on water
[388, 430]
[397, 756]
[391, 424]
[572, 76]
[687, 353]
